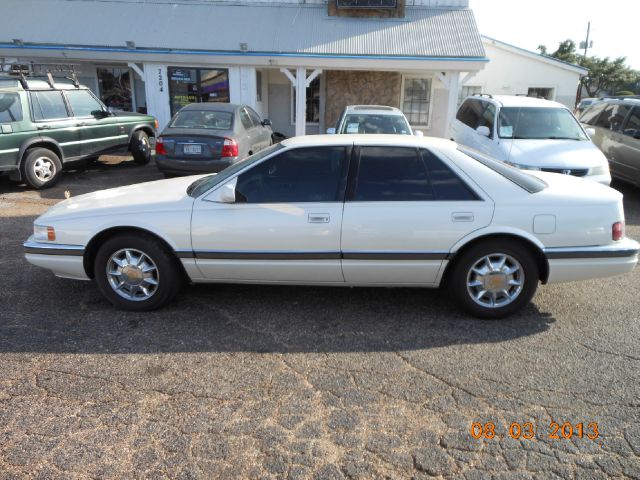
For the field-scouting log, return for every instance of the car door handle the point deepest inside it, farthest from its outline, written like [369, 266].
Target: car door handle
[81, 124]
[319, 218]
[43, 127]
[462, 217]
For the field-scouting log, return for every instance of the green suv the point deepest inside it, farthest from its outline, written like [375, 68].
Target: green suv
[46, 123]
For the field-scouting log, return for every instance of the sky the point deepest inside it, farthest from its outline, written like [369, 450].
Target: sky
[527, 24]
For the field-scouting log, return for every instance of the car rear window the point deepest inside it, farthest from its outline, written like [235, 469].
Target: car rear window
[10, 108]
[525, 181]
[368, 123]
[203, 119]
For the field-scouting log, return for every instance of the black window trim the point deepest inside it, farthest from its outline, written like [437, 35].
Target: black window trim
[354, 170]
[342, 184]
[45, 120]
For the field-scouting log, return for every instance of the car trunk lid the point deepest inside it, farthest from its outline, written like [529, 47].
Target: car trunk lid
[185, 144]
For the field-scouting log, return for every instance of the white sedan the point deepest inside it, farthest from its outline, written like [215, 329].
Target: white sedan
[359, 210]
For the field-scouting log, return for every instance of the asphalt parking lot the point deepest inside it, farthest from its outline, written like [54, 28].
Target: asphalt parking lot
[293, 382]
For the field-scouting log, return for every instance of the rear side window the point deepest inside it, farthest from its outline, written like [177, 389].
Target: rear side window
[446, 185]
[48, 105]
[632, 128]
[392, 174]
[245, 119]
[314, 174]
[82, 103]
[10, 108]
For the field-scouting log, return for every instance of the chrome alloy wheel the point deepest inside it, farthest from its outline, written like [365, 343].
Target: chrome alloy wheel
[44, 169]
[144, 145]
[132, 274]
[495, 280]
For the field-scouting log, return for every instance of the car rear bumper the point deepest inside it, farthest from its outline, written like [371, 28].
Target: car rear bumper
[66, 261]
[582, 263]
[179, 166]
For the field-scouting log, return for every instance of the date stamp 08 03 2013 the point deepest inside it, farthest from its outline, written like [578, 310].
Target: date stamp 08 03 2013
[529, 431]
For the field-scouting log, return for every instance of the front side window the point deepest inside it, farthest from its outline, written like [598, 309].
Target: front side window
[255, 118]
[82, 103]
[48, 105]
[470, 113]
[539, 123]
[391, 174]
[591, 114]
[614, 116]
[10, 108]
[604, 120]
[416, 100]
[315, 174]
[367, 123]
[203, 119]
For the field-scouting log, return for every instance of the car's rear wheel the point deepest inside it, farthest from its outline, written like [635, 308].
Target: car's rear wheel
[494, 279]
[136, 272]
[41, 168]
[140, 147]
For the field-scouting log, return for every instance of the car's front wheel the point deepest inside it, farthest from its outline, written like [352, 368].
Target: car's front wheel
[140, 147]
[135, 272]
[494, 279]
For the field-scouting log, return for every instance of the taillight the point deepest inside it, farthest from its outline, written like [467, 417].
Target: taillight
[617, 231]
[230, 148]
[160, 150]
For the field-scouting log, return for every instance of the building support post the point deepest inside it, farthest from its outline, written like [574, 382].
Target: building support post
[301, 82]
[451, 80]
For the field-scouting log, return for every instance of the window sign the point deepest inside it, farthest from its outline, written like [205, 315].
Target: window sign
[197, 85]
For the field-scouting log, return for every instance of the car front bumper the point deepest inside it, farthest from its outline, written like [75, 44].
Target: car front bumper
[582, 263]
[179, 166]
[66, 261]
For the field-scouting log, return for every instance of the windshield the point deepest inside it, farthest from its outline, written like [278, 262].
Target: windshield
[203, 119]
[524, 180]
[368, 123]
[539, 123]
[203, 184]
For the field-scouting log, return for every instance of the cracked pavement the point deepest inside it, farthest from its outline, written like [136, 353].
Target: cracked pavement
[238, 381]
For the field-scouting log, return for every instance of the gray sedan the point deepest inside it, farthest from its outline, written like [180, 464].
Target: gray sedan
[208, 137]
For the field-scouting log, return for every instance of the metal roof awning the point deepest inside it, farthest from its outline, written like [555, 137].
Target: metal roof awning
[284, 32]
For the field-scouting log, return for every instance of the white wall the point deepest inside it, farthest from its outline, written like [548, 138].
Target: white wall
[510, 73]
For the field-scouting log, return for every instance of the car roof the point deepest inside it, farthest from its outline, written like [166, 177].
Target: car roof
[518, 101]
[373, 109]
[213, 106]
[369, 139]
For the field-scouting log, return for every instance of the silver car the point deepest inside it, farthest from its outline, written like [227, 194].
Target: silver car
[208, 137]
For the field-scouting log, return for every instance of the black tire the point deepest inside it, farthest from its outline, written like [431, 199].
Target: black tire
[140, 147]
[41, 168]
[167, 273]
[464, 283]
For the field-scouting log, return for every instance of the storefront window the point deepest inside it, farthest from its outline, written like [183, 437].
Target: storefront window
[197, 85]
[115, 87]
[313, 102]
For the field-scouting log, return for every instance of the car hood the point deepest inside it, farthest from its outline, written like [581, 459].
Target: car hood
[569, 154]
[142, 197]
[142, 117]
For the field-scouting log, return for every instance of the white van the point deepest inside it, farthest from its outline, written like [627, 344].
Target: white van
[529, 133]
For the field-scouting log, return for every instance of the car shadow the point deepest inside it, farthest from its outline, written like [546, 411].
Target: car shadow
[84, 176]
[53, 315]
[631, 195]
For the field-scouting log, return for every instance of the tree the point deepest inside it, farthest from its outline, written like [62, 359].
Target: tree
[566, 52]
[542, 49]
[606, 75]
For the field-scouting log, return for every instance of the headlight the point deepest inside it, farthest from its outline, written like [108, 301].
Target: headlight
[601, 170]
[44, 233]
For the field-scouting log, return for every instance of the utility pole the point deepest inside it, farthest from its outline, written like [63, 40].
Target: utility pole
[584, 57]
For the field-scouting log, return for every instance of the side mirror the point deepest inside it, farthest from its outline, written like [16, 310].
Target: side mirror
[228, 193]
[418, 133]
[484, 131]
[224, 194]
[266, 122]
[331, 131]
[590, 131]
[101, 113]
